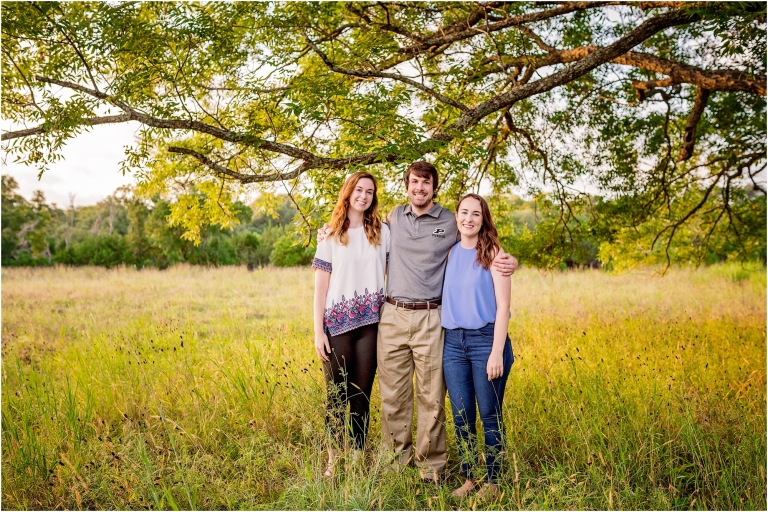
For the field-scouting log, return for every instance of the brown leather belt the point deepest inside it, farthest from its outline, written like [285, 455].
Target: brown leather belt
[415, 304]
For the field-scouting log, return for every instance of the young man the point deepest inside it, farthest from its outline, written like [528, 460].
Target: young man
[410, 336]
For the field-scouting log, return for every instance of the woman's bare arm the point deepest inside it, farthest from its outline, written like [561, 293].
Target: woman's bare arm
[322, 282]
[502, 286]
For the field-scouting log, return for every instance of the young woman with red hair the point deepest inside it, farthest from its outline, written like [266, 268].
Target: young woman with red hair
[350, 266]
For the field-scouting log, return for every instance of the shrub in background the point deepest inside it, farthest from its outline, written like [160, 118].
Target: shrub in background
[287, 252]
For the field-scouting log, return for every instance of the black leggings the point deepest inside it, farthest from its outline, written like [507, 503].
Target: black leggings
[349, 379]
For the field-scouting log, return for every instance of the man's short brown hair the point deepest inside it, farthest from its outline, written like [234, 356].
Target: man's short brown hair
[422, 169]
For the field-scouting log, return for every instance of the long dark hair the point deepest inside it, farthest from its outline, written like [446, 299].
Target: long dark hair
[340, 223]
[488, 238]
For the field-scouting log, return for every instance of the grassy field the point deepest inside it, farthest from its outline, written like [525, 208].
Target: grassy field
[196, 388]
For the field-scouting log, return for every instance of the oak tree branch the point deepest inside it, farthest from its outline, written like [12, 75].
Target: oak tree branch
[677, 72]
[90, 121]
[381, 74]
[689, 136]
[580, 68]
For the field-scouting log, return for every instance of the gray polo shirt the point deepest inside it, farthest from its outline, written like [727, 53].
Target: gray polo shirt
[418, 251]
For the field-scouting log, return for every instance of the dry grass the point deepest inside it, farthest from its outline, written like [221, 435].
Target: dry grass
[197, 388]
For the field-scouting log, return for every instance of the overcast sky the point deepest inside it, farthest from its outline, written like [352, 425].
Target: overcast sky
[90, 168]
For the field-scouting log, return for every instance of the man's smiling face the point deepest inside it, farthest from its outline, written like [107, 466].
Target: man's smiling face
[420, 190]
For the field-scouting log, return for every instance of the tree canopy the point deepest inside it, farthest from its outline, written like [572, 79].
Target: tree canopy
[639, 121]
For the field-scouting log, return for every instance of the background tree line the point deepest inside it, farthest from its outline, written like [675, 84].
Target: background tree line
[125, 230]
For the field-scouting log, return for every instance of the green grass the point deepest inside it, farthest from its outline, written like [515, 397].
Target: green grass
[197, 388]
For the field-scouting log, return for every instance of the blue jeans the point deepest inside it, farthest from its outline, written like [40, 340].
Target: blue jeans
[465, 357]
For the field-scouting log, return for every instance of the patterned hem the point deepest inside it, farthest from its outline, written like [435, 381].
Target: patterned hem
[361, 323]
[357, 311]
[322, 265]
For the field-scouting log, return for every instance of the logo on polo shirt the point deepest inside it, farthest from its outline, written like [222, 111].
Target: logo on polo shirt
[439, 233]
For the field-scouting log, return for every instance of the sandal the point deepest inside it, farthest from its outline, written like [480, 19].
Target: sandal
[464, 490]
[488, 492]
[330, 469]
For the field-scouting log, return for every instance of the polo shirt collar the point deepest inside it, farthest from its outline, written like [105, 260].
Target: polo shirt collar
[433, 212]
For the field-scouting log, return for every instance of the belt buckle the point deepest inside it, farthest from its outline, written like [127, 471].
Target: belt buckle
[413, 304]
[420, 304]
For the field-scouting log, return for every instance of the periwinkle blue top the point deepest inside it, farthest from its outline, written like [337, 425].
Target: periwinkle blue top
[469, 301]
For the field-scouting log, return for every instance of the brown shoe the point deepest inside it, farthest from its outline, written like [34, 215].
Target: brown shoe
[430, 478]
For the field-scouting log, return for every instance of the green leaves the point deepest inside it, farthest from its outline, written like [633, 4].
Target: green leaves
[739, 28]
[273, 105]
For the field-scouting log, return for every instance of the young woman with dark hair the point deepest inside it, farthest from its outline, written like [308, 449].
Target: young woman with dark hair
[477, 355]
[350, 266]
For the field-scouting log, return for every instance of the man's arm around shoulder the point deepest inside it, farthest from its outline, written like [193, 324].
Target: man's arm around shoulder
[505, 263]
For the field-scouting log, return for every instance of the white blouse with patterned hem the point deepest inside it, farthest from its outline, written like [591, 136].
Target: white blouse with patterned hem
[356, 290]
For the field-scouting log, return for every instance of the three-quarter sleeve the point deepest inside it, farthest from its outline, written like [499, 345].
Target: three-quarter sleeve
[323, 256]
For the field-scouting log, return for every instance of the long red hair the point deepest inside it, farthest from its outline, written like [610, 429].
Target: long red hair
[488, 238]
[371, 222]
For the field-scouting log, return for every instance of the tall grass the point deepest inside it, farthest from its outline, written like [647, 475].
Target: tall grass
[197, 388]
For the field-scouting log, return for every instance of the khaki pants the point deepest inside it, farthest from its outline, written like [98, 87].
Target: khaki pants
[412, 340]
